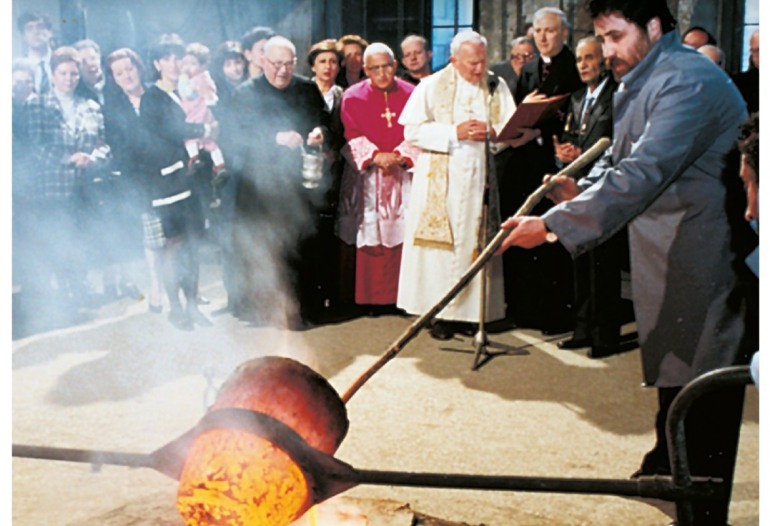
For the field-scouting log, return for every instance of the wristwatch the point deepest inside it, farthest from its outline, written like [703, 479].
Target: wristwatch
[550, 237]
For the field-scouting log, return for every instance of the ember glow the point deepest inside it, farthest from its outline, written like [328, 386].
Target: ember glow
[239, 479]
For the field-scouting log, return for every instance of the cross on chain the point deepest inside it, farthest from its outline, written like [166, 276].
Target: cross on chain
[388, 115]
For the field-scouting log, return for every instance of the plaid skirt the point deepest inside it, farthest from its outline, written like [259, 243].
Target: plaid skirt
[153, 231]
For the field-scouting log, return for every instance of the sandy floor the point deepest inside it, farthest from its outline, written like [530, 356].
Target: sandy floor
[127, 381]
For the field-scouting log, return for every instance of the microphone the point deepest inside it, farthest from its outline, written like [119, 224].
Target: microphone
[492, 84]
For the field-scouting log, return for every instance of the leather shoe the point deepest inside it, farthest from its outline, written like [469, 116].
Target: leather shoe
[442, 331]
[179, 319]
[573, 343]
[195, 316]
[553, 330]
[602, 351]
[655, 462]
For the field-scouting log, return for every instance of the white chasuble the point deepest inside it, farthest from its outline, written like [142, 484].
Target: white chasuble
[428, 271]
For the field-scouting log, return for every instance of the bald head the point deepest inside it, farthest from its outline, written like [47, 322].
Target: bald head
[754, 48]
[713, 53]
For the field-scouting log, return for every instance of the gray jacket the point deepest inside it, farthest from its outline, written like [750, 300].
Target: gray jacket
[676, 118]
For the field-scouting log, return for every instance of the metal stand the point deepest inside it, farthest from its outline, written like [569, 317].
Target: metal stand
[481, 343]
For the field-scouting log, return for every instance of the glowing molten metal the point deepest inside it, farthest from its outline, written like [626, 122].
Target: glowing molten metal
[233, 477]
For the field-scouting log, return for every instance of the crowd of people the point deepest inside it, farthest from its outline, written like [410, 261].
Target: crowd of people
[185, 146]
[371, 187]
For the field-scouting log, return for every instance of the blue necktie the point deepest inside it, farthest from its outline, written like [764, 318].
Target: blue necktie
[45, 84]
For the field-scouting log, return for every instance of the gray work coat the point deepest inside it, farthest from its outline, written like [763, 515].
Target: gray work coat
[676, 117]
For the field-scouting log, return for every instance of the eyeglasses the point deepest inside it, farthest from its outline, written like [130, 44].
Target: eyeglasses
[522, 56]
[279, 65]
[377, 69]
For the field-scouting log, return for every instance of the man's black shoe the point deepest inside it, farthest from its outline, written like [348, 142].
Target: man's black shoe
[552, 330]
[441, 330]
[573, 343]
[602, 351]
[655, 462]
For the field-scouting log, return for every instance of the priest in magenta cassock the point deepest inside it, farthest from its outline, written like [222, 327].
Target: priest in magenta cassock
[376, 182]
[446, 117]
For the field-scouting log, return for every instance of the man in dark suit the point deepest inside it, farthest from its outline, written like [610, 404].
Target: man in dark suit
[275, 216]
[538, 283]
[523, 51]
[747, 82]
[598, 302]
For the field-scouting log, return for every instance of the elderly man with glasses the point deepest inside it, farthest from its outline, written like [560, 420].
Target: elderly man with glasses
[523, 51]
[275, 117]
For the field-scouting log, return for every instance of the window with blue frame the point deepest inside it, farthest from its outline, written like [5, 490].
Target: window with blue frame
[449, 18]
[750, 24]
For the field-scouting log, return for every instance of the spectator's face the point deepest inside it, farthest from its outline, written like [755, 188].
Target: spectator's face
[90, 66]
[126, 75]
[754, 49]
[169, 68]
[65, 77]
[23, 84]
[190, 65]
[233, 69]
[414, 56]
[326, 66]
[471, 61]
[623, 42]
[353, 58]
[549, 35]
[255, 54]
[751, 185]
[381, 70]
[278, 66]
[589, 62]
[37, 35]
[695, 39]
[521, 53]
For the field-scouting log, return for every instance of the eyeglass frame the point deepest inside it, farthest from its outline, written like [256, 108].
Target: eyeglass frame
[522, 56]
[382, 67]
[279, 65]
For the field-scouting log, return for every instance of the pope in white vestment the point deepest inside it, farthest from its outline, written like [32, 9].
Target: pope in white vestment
[446, 117]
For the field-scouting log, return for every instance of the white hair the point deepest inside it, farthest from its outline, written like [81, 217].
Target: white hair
[279, 42]
[552, 11]
[466, 36]
[591, 39]
[378, 48]
[713, 52]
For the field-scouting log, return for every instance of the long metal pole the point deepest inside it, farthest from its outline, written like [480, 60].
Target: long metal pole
[664, 488]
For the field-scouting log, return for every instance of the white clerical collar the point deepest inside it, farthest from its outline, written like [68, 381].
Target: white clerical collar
[546, 60]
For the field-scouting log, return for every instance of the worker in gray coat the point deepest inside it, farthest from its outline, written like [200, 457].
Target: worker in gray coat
[676, 119]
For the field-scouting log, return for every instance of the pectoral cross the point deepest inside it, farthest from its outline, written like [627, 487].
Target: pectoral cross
[388, 114]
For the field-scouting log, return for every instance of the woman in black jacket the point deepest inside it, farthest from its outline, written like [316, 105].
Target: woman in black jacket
[129, 142]
[170, 184]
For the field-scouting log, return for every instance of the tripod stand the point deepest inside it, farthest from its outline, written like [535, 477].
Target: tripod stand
[481, 343]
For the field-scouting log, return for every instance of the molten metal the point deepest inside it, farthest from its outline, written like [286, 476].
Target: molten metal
[238, 479]
[233, 477]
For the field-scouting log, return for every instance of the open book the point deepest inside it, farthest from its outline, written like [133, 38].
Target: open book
[532, 111]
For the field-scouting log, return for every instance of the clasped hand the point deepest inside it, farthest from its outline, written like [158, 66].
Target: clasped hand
[388, 161]
[474, 130]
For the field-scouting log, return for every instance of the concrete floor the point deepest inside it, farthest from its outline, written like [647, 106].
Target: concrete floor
[127, 381]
